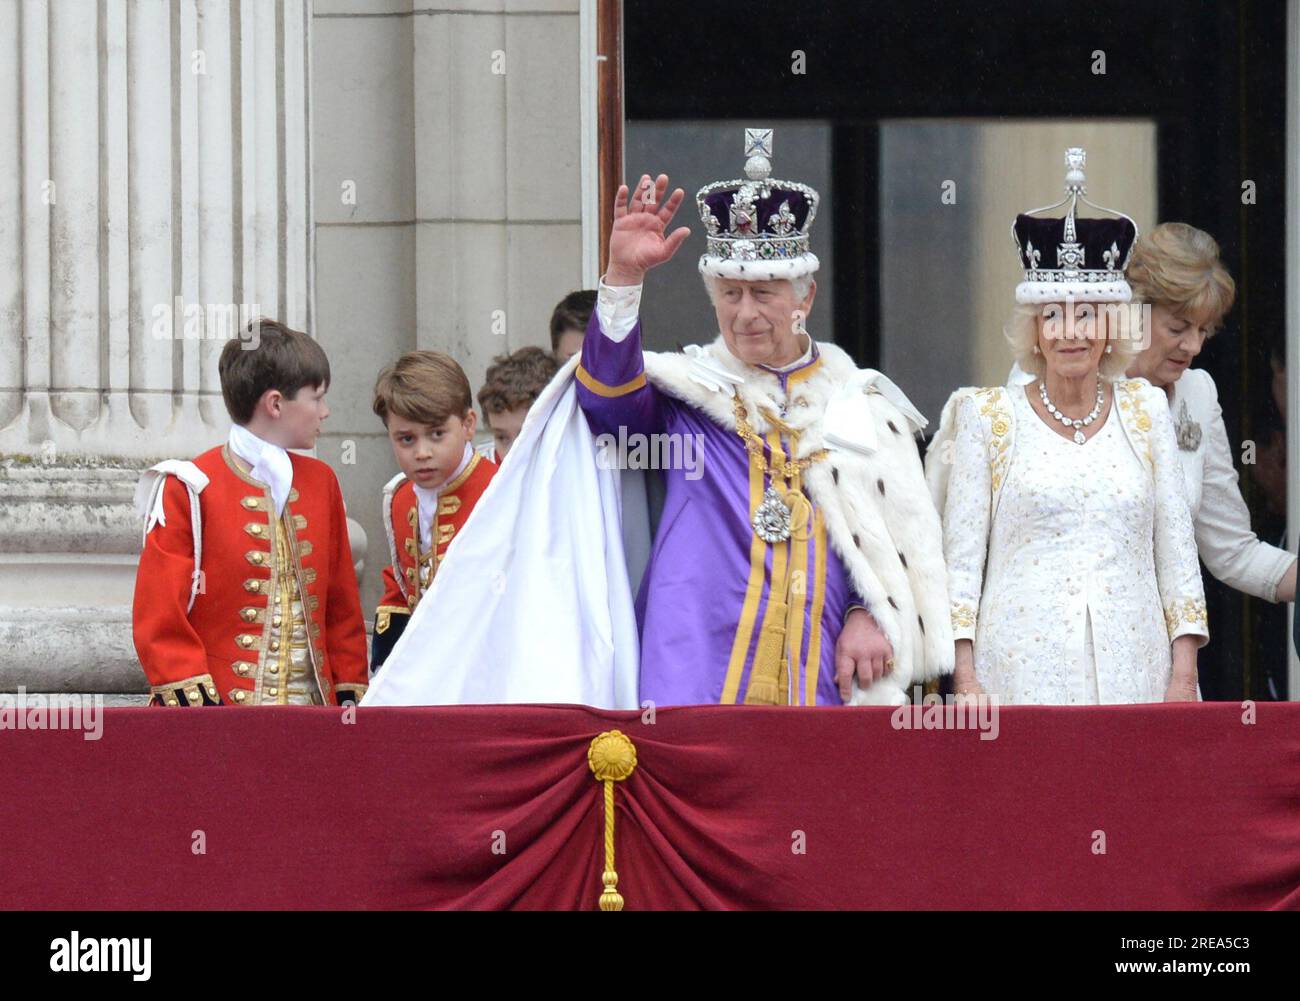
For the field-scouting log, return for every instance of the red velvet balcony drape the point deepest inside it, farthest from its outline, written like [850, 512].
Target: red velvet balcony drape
[494, 806]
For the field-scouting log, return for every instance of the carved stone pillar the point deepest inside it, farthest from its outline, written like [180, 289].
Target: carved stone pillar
[154, 194]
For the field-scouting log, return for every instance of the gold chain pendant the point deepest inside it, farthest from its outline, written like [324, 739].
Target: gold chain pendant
[776, 517]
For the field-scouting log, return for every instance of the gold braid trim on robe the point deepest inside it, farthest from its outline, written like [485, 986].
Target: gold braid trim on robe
[769, 681]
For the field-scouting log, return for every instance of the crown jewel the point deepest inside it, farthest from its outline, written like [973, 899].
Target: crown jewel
[756, 227]
[1090, 254]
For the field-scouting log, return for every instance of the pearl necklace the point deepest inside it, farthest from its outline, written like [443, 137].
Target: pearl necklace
[1079, 437]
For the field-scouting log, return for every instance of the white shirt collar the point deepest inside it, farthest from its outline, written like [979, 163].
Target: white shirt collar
[799, 362]
[270, 463]
[428, 499]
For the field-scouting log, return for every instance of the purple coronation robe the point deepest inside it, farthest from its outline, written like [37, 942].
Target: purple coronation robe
[712, 588]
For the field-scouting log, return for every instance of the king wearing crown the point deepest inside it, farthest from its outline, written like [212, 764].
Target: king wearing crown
[803, 564]
[798, 557]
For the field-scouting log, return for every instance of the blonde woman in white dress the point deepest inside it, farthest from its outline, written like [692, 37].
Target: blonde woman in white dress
[1072, 565]
[1176, 270]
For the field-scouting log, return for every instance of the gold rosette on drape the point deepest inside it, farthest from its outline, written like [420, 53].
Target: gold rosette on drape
[612, 758]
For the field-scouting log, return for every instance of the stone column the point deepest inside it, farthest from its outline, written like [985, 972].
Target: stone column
[154, 192]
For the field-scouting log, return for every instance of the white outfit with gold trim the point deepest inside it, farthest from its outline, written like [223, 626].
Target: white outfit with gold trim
[1228, 546]
[1072, 568]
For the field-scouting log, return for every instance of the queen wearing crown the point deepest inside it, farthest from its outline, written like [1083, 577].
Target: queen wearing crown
[1072, 566]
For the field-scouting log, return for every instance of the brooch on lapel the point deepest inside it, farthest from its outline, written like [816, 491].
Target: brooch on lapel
[1189, 432]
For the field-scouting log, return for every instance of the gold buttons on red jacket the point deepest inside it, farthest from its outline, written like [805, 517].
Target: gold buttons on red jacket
[249, 554]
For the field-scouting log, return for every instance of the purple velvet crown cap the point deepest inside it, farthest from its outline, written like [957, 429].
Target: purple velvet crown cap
[768, 209]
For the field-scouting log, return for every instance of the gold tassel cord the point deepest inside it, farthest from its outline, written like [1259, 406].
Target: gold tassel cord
[611, 758]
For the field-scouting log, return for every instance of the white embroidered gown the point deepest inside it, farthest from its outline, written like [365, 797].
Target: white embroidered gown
[1091, 560]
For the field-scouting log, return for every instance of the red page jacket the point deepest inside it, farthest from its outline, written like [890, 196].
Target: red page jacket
[219, 652]
[409, 575]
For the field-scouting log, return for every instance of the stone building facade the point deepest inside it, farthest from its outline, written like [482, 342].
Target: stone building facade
[384, 174]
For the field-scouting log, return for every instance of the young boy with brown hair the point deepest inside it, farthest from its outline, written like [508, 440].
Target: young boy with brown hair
[424, 401]
[513, 384]
[246, 593]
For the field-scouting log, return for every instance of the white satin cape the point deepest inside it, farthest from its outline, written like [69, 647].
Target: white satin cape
[533, 601]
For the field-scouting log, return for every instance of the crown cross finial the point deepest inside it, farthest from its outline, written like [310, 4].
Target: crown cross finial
[1076, 158]
[758, 142]
[758, 147]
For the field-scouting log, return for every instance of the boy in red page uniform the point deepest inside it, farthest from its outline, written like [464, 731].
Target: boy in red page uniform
[246, 594]
[424, 401]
